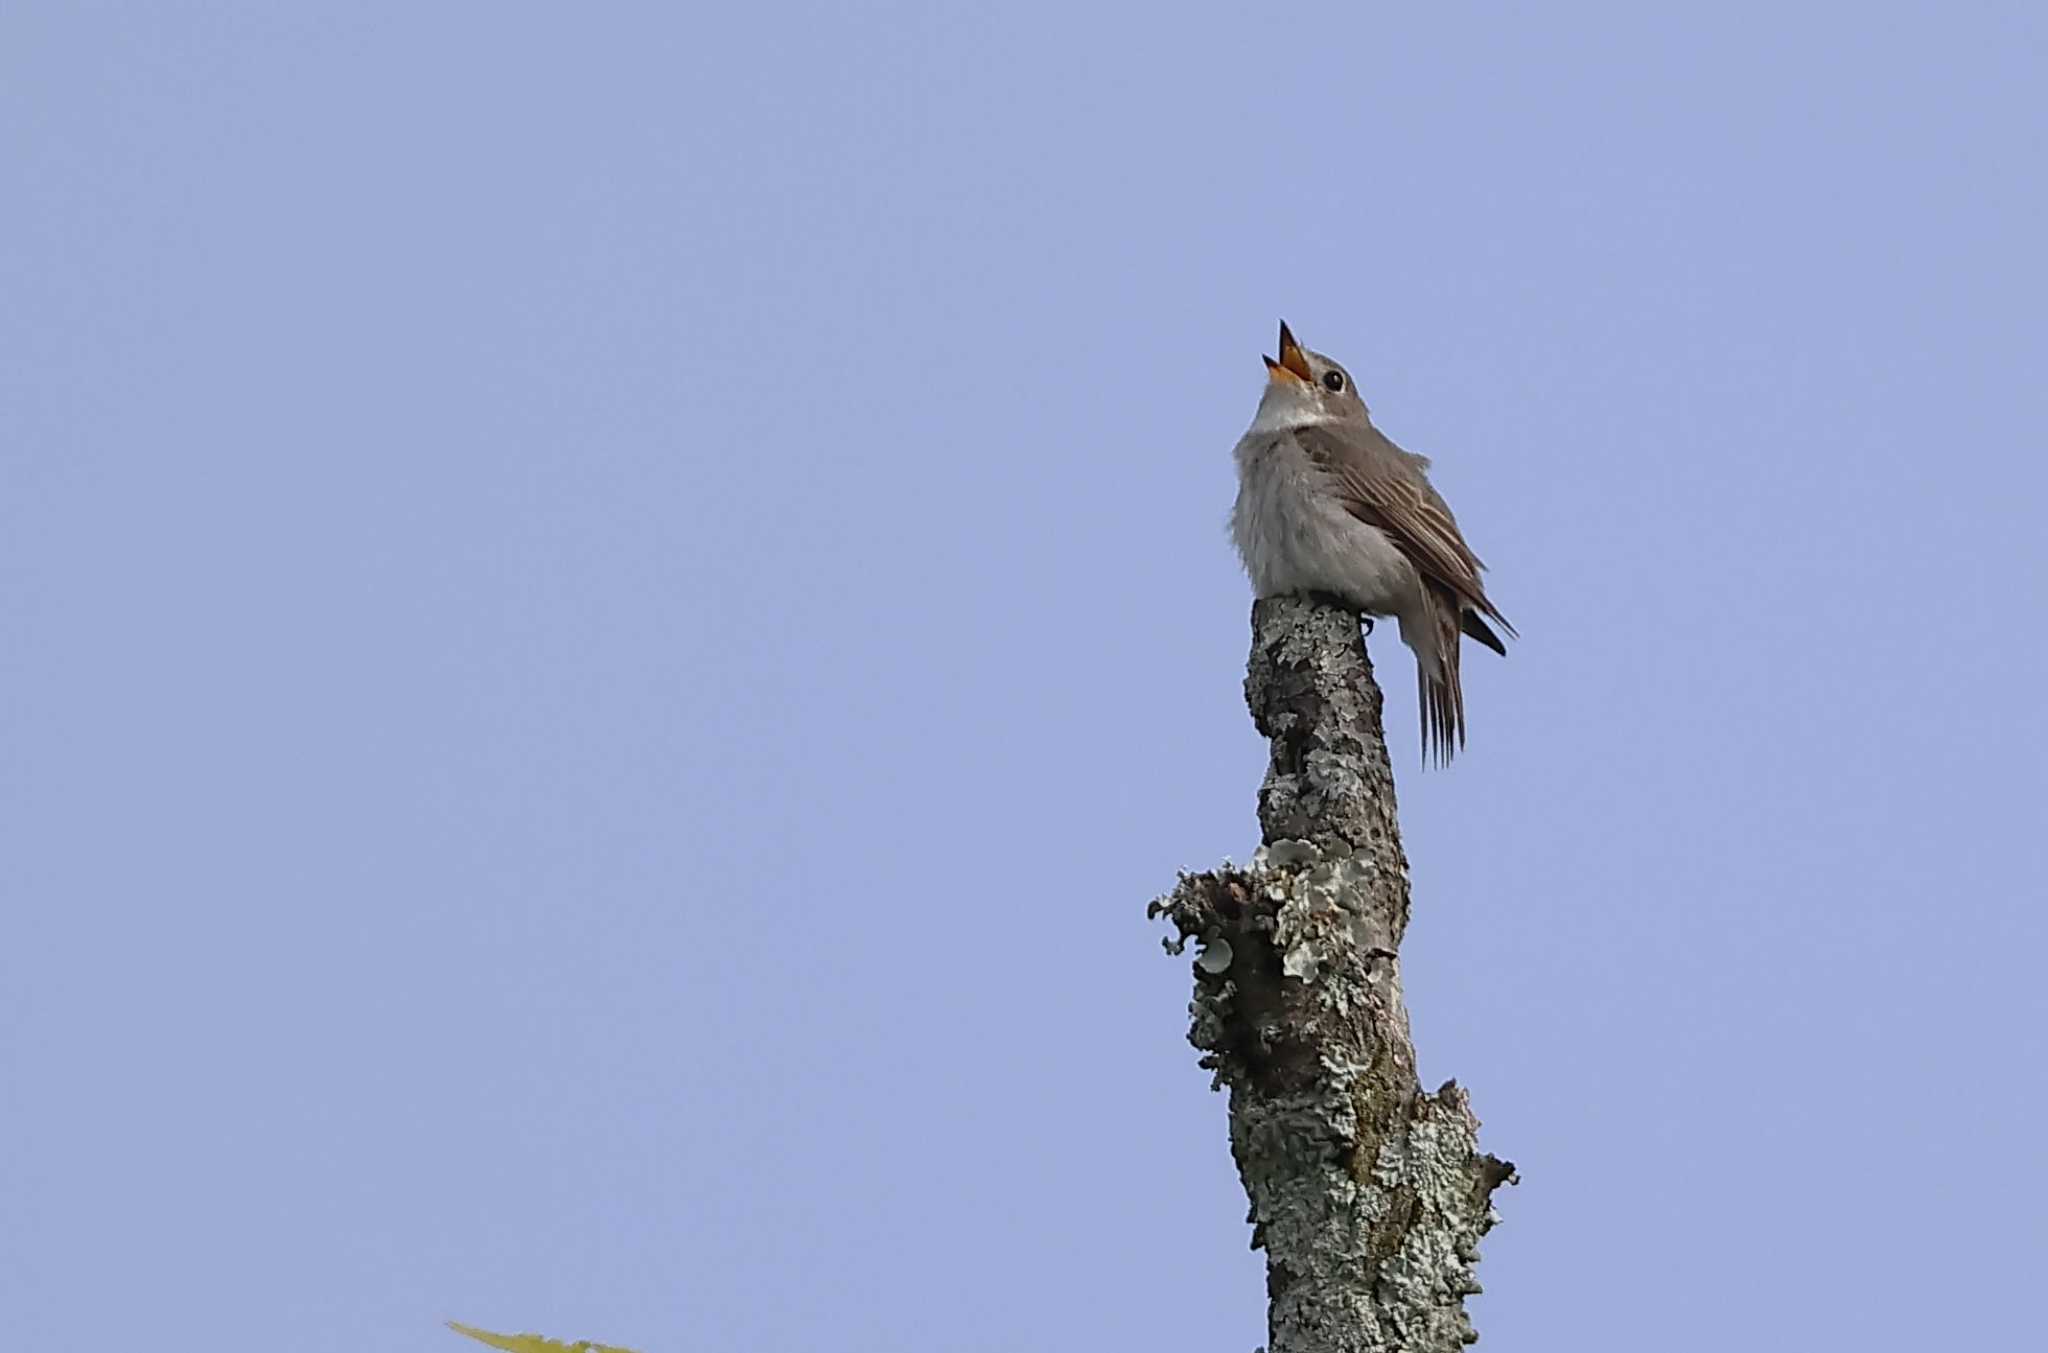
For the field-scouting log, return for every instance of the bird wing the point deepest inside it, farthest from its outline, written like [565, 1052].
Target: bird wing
[1384, 486]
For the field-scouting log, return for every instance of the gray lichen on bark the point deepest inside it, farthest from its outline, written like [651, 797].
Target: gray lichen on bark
[1368, 1196]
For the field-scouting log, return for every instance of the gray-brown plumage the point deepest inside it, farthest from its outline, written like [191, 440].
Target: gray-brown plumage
[1326, 502]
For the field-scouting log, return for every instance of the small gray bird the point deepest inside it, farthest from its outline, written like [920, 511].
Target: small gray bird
[1327, 503]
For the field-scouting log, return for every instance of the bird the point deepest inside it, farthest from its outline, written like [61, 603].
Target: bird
[1327, 503]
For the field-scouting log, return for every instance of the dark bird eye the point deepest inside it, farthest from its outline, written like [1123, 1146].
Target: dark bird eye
[1333, 381]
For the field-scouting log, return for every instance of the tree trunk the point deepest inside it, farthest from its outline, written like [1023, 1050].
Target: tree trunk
[1368, 1196]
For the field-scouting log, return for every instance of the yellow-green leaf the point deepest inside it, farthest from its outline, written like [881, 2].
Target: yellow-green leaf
[532, 1343]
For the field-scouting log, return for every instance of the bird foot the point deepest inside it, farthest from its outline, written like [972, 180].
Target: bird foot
[1332, 599]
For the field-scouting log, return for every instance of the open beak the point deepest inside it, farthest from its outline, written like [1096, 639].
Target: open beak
[1293, 363]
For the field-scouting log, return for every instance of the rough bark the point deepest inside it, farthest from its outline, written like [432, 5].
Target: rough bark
[1368, 1196]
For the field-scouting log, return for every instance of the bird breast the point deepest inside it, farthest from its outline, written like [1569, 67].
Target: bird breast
[1295, 535]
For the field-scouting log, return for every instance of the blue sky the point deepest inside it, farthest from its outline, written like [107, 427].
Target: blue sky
[611, 618]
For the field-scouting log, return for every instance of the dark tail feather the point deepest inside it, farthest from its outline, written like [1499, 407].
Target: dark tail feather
[1478, 629]
[1443, 697]
[1443, 715]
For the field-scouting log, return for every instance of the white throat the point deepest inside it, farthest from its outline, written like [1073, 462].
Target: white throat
[1288, 405]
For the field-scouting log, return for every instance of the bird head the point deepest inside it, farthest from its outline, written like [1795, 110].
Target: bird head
[1307, 387]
